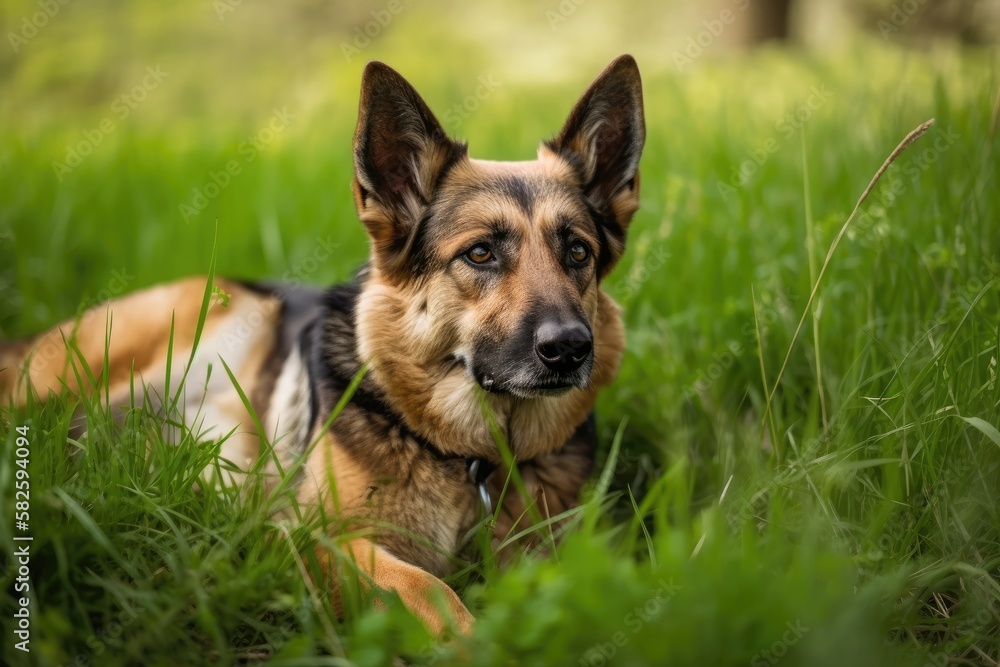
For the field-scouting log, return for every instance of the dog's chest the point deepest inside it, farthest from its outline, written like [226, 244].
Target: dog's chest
[419, 504]
[426, 514]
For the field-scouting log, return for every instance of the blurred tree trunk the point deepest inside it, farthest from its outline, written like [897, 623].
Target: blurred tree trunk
[770, 20]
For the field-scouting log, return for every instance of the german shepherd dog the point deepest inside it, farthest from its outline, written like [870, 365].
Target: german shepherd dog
[480, 310]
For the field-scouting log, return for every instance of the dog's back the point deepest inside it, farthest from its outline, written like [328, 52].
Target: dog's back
[147, 347]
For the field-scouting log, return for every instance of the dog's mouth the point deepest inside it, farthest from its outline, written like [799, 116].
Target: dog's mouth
[553, 385]
[540, 390]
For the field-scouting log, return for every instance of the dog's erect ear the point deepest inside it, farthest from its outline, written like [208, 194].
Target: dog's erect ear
[400, 153]
[603, 140]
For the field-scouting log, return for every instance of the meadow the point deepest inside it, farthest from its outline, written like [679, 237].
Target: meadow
[765, 494]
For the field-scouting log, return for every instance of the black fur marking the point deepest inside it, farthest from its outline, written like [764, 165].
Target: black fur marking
[587, 431]
[334, 362]
[606, 226]
[415, 253]
[518, 190]
[307, 350]
[410, 256]
[300, 305]
[569, 157]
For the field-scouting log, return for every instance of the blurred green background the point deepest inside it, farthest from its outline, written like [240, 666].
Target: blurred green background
[863, 505]
[78, 90]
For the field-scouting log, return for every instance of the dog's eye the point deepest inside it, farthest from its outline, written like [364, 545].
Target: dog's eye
[479, 254]
[579, 253]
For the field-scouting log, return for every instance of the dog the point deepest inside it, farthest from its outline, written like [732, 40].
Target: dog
[480, 312]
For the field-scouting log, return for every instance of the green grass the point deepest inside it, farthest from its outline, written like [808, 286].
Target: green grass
[860, 528]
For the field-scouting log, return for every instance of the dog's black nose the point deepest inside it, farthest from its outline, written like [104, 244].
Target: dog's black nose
[563, 347]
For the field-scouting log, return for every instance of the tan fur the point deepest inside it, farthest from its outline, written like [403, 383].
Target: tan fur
[140, 327]
[416, 589]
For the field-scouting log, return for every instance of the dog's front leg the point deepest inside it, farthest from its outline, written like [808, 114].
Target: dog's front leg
[417, 588]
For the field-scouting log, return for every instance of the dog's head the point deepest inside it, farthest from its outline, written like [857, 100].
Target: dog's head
[491, 270]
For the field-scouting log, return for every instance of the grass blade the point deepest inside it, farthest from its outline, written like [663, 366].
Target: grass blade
[915, 134]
